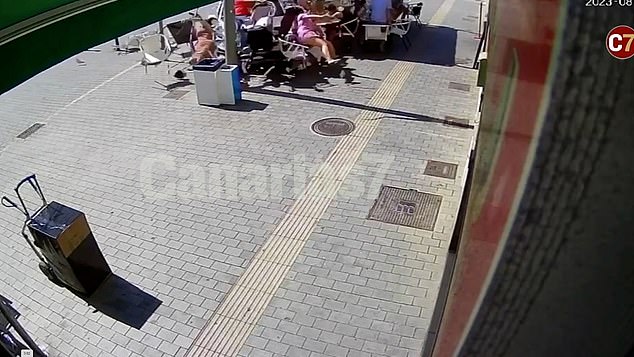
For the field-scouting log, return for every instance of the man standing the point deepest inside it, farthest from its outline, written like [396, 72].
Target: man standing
[380, 11]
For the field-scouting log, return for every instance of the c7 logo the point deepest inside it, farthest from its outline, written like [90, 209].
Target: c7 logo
[619, 42]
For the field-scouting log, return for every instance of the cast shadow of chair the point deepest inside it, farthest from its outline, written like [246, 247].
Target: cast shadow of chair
[317, 78]
[123, 301]
[183, 83]
[435, 45]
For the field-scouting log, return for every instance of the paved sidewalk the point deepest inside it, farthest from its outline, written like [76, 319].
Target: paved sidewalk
[183, 199]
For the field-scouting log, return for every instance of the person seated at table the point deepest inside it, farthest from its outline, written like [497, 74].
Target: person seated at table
[318, 7]
[398, 8]
[243, 8]
[381, 11]
[311, 34]
[361, 10]
[347, 14]
[205, 46]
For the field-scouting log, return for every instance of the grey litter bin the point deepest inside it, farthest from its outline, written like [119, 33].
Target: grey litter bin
[205, 80]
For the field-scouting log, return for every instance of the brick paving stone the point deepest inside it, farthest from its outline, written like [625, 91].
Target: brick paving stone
[355, 283]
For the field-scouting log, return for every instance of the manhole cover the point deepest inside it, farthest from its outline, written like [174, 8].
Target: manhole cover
[459, 86]
[333, 126]
[176, 94]
[406, 207]
[30, 130]
[441, 169]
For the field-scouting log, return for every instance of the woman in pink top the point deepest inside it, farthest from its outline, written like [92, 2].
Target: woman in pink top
[310, 34]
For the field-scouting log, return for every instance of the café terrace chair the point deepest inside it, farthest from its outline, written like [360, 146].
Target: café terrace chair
[415, 12]
[349, 28]
[400, 28]
[155, 49]
[348, 32]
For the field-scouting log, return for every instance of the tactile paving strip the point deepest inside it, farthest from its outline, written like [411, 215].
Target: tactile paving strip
[245, 303]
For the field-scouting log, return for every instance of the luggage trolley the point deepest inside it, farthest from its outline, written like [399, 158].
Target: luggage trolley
[63, 242]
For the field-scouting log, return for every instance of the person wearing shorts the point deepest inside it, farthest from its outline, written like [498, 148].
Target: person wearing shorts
[311, 34]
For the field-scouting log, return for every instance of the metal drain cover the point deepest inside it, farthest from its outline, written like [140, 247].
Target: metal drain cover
[30, 130]
[441, 169]
[459, 86]
[406, 207]
[333, 126]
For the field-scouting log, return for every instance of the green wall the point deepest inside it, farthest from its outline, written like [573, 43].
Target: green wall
[36, 51]
[12, 11]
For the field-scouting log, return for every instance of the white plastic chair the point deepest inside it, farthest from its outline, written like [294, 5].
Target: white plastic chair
[264, 9]
[345, 28]
[294, 50]
[415, 12]
[262, 15]
[155, 49]
[400, 28]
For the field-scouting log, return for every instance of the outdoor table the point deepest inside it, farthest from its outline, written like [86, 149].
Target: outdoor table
[331, 28]
[328, 22]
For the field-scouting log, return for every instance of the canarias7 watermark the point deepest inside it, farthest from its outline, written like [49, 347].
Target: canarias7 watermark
[619, 42]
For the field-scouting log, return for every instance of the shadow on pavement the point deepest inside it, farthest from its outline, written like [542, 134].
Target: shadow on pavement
[390, 113]
[175, 85]
[123, 301]
[435, 45]
[315, 77]
[244, 105]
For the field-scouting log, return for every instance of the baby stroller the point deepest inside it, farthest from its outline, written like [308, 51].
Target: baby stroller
[262, 47]
[281, 51]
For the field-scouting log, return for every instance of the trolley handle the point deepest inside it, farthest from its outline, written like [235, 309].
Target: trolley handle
[5, 201]
[35, 185]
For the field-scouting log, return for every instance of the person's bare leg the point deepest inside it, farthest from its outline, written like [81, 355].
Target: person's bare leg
[331, 48]
[318, 42]
[325, 48]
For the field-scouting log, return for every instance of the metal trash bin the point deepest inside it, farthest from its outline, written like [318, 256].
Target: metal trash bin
[228, 82]
[205, 81]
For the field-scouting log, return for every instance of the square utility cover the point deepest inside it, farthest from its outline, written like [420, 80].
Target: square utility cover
[406, 207]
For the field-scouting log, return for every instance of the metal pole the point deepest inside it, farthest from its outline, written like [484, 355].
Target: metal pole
[485, 30]
[231, 48]
[480, 22]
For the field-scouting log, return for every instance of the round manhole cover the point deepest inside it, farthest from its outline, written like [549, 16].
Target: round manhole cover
[333, 126]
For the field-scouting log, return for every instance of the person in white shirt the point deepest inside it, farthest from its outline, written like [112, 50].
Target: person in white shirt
[380, 11]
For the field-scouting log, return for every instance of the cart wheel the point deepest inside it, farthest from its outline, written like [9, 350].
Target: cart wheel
[50, 274]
